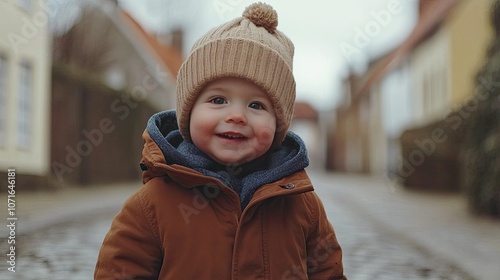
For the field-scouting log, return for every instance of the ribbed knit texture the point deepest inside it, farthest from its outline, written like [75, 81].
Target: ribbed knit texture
[240, 49]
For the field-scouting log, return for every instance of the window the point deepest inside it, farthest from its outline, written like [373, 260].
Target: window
[3, 100]
[25, 110]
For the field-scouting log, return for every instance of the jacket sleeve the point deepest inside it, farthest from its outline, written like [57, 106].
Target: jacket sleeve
[324, 255]
[131, 248]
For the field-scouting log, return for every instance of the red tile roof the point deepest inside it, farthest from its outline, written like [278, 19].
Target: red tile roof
[304, 111]
[169, 55]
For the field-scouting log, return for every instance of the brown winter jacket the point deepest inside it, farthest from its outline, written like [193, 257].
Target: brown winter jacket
[185, 225]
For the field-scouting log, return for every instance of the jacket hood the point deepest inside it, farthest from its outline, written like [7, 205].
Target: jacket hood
[166, 152]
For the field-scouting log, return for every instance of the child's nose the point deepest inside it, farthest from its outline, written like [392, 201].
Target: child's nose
[236, 115]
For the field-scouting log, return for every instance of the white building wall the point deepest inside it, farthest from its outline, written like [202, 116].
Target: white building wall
[416, 93]
[25, 39]
[397, 110]
[430, 64]
[397, 104]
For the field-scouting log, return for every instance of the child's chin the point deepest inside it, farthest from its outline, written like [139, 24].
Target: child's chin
[229, 161]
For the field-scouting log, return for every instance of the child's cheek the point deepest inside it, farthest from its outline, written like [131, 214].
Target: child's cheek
[266, 137]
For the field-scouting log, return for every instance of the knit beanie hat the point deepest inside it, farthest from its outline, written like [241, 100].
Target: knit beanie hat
[248, 47]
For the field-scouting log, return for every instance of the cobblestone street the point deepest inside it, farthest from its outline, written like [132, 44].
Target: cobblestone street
[64, 251]
[371, 251]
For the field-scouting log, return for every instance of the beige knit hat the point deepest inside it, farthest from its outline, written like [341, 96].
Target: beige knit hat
[247, 47]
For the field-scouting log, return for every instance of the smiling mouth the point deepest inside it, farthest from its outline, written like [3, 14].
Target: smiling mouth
[231, 136]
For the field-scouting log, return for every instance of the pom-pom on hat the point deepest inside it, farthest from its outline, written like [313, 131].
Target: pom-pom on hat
[248, 47]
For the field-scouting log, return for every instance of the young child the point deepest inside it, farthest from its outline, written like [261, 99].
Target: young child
[225, 193]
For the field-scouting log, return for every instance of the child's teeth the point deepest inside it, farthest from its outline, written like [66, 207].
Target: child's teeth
[231, 136]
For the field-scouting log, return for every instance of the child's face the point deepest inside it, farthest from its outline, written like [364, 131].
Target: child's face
[232, 121]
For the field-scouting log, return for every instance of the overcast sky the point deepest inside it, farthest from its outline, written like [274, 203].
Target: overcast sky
[329, 35]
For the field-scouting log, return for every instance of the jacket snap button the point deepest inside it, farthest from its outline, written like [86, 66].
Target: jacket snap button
[288, 186]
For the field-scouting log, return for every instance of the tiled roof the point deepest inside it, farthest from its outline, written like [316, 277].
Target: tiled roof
[169, 55]
[304, 111]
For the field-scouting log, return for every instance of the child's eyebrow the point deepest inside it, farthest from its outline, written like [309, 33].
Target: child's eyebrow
[216, 88]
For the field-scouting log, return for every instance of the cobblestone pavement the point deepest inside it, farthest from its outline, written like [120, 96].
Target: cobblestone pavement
[373, 248]
[64, 251]
[371, 251]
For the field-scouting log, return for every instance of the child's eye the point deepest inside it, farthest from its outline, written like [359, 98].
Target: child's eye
[218, 100]
[256, 106]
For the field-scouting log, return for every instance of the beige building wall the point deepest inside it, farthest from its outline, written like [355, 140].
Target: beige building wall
[444, 66]
[354, 142]
[377, 135]
[25, 43]
[470, 34]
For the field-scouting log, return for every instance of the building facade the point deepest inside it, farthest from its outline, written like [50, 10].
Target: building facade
[25, 61]
[417, 84]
